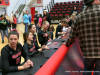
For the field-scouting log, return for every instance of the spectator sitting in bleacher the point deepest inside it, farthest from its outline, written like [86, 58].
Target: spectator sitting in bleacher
[74, 11]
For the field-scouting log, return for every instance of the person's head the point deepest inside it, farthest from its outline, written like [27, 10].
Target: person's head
[74, 8]
[16, 12]
[45, 12]
[68, 19]
[73, 16]
[28, 36]
[32, 28]
[13, 38]
[24, 12]
[45, 25]
[27, 12]
[40, 15]
[36, 12]
[2, 16]
[64, 22]
[14, 16]
[89, 2]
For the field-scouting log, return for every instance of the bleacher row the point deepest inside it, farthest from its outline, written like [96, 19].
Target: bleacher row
[63, 9]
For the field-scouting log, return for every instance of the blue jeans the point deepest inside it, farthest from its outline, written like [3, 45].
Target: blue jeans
[9, 28]
[2, 34]
[17, 20]
[26, 27]
[89, 64]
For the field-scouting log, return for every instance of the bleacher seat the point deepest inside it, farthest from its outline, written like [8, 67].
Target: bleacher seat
[64, 9]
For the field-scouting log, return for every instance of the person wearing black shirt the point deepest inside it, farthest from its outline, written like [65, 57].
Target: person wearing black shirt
[74, 11]
[59, 29]
[36, 19]
[11, 55]
[46, 17]
[3, 27]
[30, 46]
[43, 36]
[32, 29]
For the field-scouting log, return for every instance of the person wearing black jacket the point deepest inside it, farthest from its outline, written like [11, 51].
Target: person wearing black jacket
[11, 55]
[30, 46]
[3, 27]
[43, 36]
[46, 17]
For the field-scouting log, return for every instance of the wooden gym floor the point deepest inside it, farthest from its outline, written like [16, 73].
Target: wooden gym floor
[20, 28]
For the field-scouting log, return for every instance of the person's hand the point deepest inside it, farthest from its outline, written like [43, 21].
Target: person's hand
[40, 50]
[64, 43]
[46, 47]
[63, 32]
[4, 23]
[49, 40]
[30, 63]
[46, 35]
[26, 65]
[43, 46]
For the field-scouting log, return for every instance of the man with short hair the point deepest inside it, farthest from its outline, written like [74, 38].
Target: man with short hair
[36, 19]
[86, 27]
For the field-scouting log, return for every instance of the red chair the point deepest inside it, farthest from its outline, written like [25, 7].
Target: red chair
[58, 12]
[60, 9]
[54, 12]
[50, 12]
[66, 6]
[65, 9]
[69, 9]
[56, 17]
[70, 6]
[52, 17]
[63, 12]
[69, 2]
[77, 1]
[79, 8]
[57, 7]
[80, 5]
[60, 16]
[53, 7]
[66, 14]
[65, 3]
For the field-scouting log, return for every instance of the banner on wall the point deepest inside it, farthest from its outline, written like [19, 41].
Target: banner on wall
[4, 2]
[38, 1]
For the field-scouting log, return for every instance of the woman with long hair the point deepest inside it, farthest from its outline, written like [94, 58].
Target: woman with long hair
[43, 36]
[11, 55]
[30, 46]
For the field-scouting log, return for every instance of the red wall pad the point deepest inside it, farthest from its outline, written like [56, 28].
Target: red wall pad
[51, 66]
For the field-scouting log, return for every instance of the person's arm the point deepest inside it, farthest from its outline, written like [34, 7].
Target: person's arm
[25, 48]
[73, 34]
[5, 62]
[35, 18]
[24, 53]
[40, 38]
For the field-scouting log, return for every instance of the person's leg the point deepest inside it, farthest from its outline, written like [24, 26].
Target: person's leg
[9, 28]
[2, 34]
[97, 66]
[88, 65]
[26, 27]
[17, 20]
[6, 32]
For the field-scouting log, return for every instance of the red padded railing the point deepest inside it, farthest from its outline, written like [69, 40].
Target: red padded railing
[52, 65]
